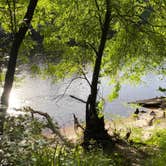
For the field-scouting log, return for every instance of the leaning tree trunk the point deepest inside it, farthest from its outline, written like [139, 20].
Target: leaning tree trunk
[95, 127]
[9, 77]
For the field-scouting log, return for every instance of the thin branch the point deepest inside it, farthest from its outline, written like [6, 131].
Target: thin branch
[85, 77]
[68, 86]
[99, 15]
[94, 49]
[81, 100]
[59, 97]
[129, 18]
[11, 16]
[14, 16]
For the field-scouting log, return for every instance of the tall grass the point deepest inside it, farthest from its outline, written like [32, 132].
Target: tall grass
[62, 156]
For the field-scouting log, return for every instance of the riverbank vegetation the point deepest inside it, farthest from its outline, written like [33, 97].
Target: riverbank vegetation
[122, 40]
[26, 143]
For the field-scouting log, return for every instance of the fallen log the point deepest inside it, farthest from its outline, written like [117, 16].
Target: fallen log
[154, 103]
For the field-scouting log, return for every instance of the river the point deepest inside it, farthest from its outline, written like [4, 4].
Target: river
[46, 96]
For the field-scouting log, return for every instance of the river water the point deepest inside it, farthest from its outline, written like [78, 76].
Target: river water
[46, 96]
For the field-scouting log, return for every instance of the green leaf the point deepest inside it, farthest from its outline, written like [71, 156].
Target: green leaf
[115, 92]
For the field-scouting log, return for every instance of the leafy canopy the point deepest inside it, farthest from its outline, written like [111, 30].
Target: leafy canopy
[72, 31]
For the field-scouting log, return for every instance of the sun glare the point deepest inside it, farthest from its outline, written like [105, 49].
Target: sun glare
[14, 101]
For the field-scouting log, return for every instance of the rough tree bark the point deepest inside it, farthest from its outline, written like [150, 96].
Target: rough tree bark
[95, 127]
[9, 77]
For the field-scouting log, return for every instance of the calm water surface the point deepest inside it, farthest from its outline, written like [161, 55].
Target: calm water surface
[45, 96]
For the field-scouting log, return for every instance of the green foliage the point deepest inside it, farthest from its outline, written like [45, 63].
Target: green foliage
[161, 89]
[159, 156]
[22, 136]
[115, 92]
[2, 77]
[60, 71]
[158, 138]
[137, 134]
[22, 144]
[69, 157]
[72, 31]
[100, 107]
[134, 49]
[35, 69]
[11, 14]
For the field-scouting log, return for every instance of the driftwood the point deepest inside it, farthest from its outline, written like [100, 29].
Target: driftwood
[154, 103]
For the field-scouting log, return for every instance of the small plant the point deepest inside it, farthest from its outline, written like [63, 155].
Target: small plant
[22, 135]
[136, 134]
[158, 140]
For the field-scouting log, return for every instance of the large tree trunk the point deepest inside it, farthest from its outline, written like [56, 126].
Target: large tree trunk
[95, 127]
[9, 78]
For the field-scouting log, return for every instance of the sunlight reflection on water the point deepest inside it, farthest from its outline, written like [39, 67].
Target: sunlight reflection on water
[14, 100]
[14, 103]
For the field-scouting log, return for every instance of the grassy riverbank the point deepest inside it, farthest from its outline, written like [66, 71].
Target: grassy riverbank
[24, 145]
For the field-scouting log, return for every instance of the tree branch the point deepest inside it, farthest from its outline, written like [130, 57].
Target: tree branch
[85, 77]
[11, 17]
[14, 16]
[68, 86]
[99, 15]
[51, 125]
[81, 100]
[94, 49]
